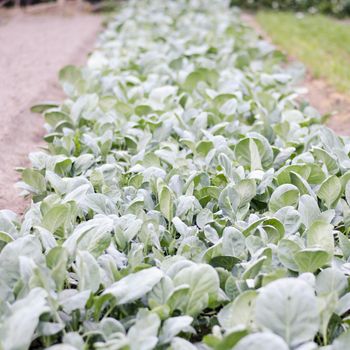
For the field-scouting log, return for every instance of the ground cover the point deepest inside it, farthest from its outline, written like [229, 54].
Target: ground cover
[186, 199]
[321, 42]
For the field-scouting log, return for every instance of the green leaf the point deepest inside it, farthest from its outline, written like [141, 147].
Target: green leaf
[282, 196]
[5, 237]
[166, 203]
[331, 280]
[56, 260]
[203, 147]
[56, 217]
[329, 160]
[293, 314]
[248, 151]
[261, 341]
[42, 107]
[134, 286]
[227, 262]
[69, 77]
[246, 190]
[330, 191]
[342, 342]
[240, 312]
[173, 326]
[286, 252]
[203, 283]
[311, 259]
[204, 217]
[88, 272]
[343, 305]
[228, 201]
[209, 76]
[309, 210]
[24, 316]
[320, 235]
[143, 334]
[344, 244]
[34, 179]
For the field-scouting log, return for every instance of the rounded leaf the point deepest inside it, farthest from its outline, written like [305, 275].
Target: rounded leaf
[261, 341]
[283, 196]
[288, 307]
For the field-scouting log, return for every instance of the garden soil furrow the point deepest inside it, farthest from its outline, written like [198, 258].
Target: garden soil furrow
[33, 49]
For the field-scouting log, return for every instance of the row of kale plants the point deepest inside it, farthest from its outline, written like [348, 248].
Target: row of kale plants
[186, 200]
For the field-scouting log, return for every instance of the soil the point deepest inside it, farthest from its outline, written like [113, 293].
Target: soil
[34, 47]
[319, 94]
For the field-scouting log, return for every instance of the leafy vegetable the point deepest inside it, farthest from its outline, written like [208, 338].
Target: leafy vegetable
[186, 199]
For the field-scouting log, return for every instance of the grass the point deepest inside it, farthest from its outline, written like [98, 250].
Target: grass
[320, 42]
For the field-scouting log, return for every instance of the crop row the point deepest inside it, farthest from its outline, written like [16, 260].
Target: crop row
[186, 199]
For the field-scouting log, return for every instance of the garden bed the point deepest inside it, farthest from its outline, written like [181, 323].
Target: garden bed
[186, 199]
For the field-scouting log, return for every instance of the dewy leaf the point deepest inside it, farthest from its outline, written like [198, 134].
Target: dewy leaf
[24, 317]
[135, 285]
[293, 314]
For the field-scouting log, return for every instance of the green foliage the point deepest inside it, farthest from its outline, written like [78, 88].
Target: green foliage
[185, 200]
[334, 7]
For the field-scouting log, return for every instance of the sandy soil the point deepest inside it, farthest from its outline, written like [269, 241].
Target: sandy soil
[34, 46]
[320, 94]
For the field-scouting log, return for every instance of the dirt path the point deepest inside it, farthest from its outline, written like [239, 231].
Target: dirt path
[320, 94]
[33, 49]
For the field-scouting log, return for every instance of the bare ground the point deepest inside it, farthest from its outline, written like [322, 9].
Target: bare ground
[34, 46]
[320, 94]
